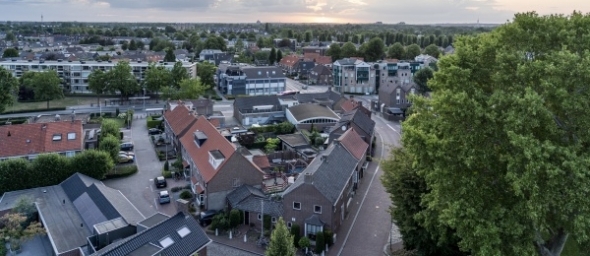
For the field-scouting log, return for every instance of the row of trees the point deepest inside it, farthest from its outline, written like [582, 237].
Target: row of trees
[375, 50]
[51, 169]
[496, 161]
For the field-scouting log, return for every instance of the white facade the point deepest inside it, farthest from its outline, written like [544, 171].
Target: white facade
[75, 73]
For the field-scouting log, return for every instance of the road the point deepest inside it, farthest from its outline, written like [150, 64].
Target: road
[369, 224]
[293, 85]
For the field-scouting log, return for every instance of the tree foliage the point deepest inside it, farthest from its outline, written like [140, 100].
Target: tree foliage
[279, 55]
[374, 49]
[109, 127]
[111, 145]
[170, 57]
[396, 51]
[422, 77]
[8, 85]
[503, 143]
[348, 50]
[93, 163]
[55, 168]
[432, 50]
[46, 86]
[10, 53]
[412, 51]
[272, 56]
[206, 74]
[157, 77]
[334, 51]
[122, 80]
[98, 83]
[281, 241]
[179, 73]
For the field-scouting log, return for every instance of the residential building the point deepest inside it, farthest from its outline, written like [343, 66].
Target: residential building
[75, 73]
[261, 109]
[321, 195]
[207, 54]
[329, 98]
[249, 80]
[289, 64]
[203, 106]
[352, 75]
[216, 167]
[254, 204]
[321, 75]
[358, 120]
[321, 50]
[77, 209]
[215, 56]
[30, 140]
[396, 83]
[177, 122]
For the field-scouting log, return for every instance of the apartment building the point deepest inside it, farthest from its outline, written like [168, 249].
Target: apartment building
[396, 82]
[75, 73]
[351, 75]
[250, 80]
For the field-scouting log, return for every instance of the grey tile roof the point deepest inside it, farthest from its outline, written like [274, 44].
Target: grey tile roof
[305, 111]
[263, 72]
[347, 61]
[247, 103]
[362, 120]
[293, 140]
[314, 220]
[239, 194]
[330, 172]
[194, 241]
[248, 198]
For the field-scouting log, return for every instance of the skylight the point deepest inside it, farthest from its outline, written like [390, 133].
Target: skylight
[166, 241]
[57, 137]
[71, 136]
[184, 231]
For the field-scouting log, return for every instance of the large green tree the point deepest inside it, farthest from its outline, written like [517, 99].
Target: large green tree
[157, 77]
[8, 85]
[272, 57]
[47, 86]
[412, 51]
[178, 73]
[110, 145]
[348, 50]
[122, 80]
[206, 73]
[334, 51]
[421, 78]
[503, 143]
[279, 55]
[374, 50]
[94, 163]
[281, 241]
[406, 189]
[396, 51]
[10, 53]
[98, 83]
[110, 127]
[432, 50]
[170, 57]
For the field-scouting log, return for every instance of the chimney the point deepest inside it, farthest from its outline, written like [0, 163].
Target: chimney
[183, 206]
[308, 178]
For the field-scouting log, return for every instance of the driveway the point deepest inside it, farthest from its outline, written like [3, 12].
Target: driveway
[139, 188]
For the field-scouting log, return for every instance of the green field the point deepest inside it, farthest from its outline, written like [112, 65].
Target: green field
[65, 102]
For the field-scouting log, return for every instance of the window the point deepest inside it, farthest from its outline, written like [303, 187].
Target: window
[259, 217]
[57, 137]
[236, 182]
[184, 231]
[273, 219]
[70, 153]
[166, 241]
[317, 209]
[289, 224]
[71, 136]
[297, 205]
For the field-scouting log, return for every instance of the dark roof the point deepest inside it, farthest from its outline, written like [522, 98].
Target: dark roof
[247, 103]
[140, 243]
[293, 140]
[248, 198]
[263, 72]
[241, 193]
[330, 96]
[314, 220]
[362, 120]
[153, 220]
[302, 112]
[330, 172]
[347, 61]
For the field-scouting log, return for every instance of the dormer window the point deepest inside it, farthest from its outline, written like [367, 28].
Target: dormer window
[200, 138]
[57, 137]
[216, 158]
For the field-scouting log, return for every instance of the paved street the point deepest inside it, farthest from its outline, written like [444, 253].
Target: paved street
[293, 85]
[369, 223]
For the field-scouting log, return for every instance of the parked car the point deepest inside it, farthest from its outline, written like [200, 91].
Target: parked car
[127, 146]
[125, 159]
[160, 182]
[129, 153]
[206, 217]
[154, 131]
[163, 197]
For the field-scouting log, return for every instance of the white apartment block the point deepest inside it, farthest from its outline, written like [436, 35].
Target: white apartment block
[75, 73]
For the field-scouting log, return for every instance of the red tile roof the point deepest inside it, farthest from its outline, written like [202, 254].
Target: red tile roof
[311, 55]
[353, 143]
[323, 60]
[261, 161]
[289, 60]
[348, 105]
[215, 122]
[28, 139]
[179, 119]
[200, 154]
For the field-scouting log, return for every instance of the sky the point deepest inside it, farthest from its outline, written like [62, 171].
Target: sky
[286, 11]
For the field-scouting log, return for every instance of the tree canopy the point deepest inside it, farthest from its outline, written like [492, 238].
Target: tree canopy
[374, 50]
[179, 73]
[432, 50]
[348, 50]
[46, 86]
[412, 51]
[170, 57]
[421, 78]
[281, 241]
[334, 51]
[206, 73]
[121, 79]
[157, 77]
[503, 144]
[396, 51]
[8, 85]
[10, 53]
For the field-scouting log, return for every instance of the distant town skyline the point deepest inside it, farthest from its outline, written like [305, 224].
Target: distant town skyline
[285, 11]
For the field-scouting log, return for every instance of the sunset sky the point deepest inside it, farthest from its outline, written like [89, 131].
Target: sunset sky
[241, 11]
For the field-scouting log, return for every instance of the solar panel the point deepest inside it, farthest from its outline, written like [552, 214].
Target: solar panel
[90, 213]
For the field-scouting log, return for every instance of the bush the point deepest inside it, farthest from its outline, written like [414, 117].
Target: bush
[235, 218]
[151, 123]
[122, 171]
[320, 244]
[166, 166]
[186, 195]
[296, 232]
[328, 235]
[166, 174]
[220, 222]
[369, 159]
[117, 112]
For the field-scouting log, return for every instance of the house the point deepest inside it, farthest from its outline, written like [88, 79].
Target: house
[352, 75]
[216, 167]
[359, 121]
[77, 209]
[176, 123]
[320, 50]
[289, 64]
[305, 116]
[304, 67]
[261, 109]
[250, 80]
[160, 235]
[319, 199]
[396, 83]
[254, 204]
[352, 104]
[324, 60]
[203, 106]
[29, 140]
[328, 98]
[321, 75]
[208, 54]
[297, 143]
[426, 59]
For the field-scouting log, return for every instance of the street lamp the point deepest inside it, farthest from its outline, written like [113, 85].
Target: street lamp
[143, 88]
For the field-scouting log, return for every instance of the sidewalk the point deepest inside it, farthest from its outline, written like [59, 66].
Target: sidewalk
[238, 242]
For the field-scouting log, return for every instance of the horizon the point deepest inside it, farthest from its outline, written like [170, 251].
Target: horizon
[418, 12]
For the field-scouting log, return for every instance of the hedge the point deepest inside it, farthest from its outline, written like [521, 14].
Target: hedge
[151, 123]
[167, 174]
[122, 171]
[34, 110]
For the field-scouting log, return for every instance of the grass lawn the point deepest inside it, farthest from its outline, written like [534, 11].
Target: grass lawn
[67, 101]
